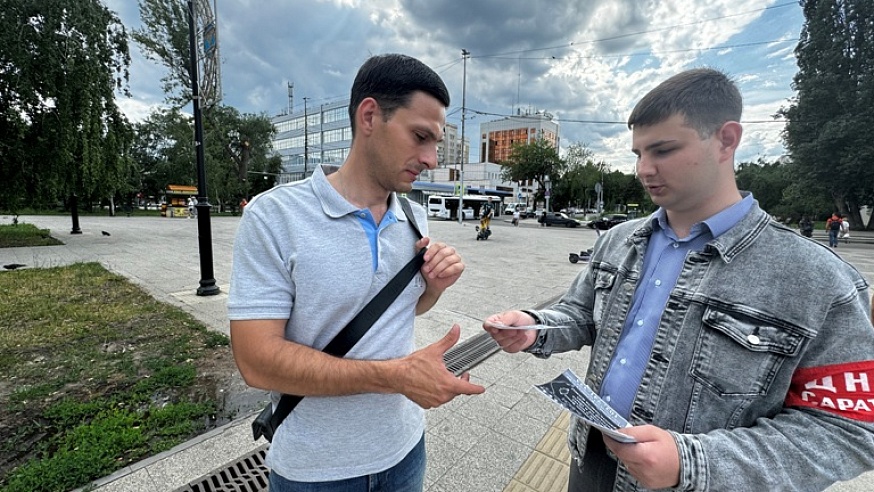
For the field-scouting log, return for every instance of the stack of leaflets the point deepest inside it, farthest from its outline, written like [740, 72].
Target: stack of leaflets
[570, 393]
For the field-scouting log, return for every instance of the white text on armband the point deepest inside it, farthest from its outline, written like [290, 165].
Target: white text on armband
[843, 389]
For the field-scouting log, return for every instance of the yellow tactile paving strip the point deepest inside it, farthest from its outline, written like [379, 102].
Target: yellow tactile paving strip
[546, 470]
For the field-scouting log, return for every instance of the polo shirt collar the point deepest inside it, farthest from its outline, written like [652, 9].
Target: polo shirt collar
[333, 203]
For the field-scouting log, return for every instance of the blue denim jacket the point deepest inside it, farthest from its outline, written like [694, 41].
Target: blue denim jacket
[757, 304]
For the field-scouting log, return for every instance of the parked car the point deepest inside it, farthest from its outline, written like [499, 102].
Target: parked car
[608, 221]
[560, 219]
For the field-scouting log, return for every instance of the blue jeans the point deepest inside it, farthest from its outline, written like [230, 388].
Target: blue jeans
[832, 238]
[406, 476]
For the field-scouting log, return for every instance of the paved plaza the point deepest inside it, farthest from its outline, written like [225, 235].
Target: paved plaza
[509, 439]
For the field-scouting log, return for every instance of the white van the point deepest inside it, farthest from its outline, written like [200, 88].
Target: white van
[511, 207]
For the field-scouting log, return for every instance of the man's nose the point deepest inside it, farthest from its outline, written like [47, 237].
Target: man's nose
[644, 167]
[429, 157]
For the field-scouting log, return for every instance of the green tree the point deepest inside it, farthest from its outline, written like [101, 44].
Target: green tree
[237, 148]
[163, 151]
[61, 132]
[534, 161]
[164, 38]
[767, 181]
[827, 132]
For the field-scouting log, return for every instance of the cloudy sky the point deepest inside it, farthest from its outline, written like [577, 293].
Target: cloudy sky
[585, 61]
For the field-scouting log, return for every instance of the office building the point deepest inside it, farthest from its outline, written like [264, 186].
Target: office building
[498, 137]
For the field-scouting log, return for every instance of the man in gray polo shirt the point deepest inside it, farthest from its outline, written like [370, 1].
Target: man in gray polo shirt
[309, 255]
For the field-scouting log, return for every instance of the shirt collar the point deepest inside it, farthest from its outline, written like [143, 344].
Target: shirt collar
[716, 224]
[333, 203]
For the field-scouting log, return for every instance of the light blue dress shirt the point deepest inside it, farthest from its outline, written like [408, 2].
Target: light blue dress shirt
[662, 264]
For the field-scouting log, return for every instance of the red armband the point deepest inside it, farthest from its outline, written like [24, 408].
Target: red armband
[842, 389]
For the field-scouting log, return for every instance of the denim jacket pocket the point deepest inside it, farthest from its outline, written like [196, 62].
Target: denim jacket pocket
[737, 359]
[603, 286]
[738, 355]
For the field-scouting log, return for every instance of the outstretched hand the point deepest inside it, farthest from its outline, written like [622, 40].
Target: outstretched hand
[425, 379]
[653, 460]
[512, 341]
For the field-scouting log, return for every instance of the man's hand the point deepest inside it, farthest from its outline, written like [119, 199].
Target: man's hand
[442, 265]
[425, 380]
[512, 341]
[441, 269]
[653, 460]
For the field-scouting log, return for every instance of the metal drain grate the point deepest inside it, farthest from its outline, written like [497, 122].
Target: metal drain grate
[247, 474]
[469, 353]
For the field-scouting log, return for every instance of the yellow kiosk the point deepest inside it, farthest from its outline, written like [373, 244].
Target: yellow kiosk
[177, 200]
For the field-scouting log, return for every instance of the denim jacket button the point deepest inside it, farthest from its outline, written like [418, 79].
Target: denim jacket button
[753, 339]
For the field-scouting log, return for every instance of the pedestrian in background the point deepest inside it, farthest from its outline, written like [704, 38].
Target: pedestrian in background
[845, 230]
[833, 227]
[714, 330]
[192, 207]
[805, 225]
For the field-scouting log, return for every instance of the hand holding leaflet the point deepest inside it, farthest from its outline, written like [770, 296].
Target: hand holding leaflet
[567, 391]
[502, 326]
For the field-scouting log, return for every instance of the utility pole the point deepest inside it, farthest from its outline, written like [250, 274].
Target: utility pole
[306, 143]
[464, 55]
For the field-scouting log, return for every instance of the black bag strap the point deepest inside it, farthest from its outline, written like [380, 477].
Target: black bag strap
[358, 326]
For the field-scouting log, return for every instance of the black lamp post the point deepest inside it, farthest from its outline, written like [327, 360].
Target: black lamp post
[204, 226]
[74, 213]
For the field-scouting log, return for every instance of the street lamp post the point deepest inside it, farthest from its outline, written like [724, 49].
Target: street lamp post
[204, 226]
[464, 55]
[546, 192]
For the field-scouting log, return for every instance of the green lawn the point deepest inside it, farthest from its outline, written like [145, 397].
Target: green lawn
[95, 374]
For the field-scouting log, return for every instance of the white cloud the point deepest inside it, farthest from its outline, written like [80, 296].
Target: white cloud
[580, 62]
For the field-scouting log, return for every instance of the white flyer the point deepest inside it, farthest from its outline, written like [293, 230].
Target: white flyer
[567, 391]
[502, 326]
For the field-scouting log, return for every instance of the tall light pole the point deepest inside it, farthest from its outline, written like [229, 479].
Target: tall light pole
[464, 55]
[204, 226]
[306, 143]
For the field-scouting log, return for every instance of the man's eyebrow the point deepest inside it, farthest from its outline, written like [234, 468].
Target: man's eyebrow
[433, 135]
[657, 143]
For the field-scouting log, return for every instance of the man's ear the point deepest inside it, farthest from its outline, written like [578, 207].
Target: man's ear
[729, 138]
[367, 114]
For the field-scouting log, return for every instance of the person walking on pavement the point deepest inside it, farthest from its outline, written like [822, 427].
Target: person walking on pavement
[192, 207]
[308, 255]
[806, 226]
[845, 230]
[833, 226]
[714, 331]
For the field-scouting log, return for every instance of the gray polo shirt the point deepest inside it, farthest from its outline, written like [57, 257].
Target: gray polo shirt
[302, 254]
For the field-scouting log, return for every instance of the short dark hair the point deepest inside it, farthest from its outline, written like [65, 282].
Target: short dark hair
[707, 99]
[391, 79]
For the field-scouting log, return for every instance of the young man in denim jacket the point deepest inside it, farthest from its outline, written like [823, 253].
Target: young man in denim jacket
[713, 331]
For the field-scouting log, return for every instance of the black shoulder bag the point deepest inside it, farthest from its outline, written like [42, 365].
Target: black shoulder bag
[268, 421]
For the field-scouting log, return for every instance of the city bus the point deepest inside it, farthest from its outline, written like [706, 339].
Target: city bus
[446, 207]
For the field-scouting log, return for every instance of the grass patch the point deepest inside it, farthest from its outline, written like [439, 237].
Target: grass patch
[95, 374]
[23, 235]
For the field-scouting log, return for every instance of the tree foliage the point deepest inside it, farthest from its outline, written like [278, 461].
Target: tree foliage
[533, 162]
[237, 149]
[573, 179]
[61, 132]
[829, 120]
[164, 38]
